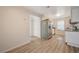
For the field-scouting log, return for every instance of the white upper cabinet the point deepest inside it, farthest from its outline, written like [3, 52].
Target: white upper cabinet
[75, 14]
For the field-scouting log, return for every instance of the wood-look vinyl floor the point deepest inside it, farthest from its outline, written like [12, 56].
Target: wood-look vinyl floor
[54, 45]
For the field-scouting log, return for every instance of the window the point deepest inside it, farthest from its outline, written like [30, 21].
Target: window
[60, 25]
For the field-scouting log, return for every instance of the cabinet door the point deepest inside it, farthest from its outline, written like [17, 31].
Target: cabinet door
[75, 14]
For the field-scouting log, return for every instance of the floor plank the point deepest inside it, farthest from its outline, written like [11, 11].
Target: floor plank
[54, 45]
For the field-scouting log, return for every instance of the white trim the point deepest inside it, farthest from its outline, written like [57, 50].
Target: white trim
[72, 44]
[15, 47]
[2, 52]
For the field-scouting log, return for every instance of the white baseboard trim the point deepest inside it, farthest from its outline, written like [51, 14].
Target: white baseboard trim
[15, 47]
[72, 44]
[2, 51]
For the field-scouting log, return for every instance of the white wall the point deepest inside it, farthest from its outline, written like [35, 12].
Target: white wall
[1, 26]
[15, 27]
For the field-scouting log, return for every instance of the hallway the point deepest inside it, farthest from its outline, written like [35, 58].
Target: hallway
[53, 45]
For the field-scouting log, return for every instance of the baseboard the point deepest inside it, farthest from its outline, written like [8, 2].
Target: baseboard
[2, 51]
[72, 44]
[15, 47]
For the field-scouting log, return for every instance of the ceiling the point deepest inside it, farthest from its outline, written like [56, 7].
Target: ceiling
[51, 11]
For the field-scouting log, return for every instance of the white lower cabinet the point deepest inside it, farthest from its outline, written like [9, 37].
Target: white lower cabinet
[72, 38]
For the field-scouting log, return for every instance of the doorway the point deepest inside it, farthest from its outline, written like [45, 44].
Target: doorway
[60, 27]
[35, 31]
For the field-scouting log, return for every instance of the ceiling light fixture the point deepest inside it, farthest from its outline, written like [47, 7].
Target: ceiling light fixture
[58, 15]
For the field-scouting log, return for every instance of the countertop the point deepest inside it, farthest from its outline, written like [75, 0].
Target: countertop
[72, 30]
